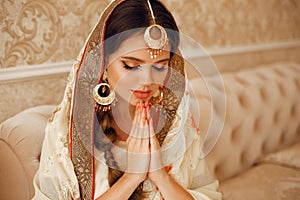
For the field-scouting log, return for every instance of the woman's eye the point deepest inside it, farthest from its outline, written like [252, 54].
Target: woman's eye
[159, 67]
[127, 67]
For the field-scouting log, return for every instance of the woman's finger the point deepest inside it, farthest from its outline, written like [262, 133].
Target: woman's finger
[136, 120]
[153, 140]
[138, 155]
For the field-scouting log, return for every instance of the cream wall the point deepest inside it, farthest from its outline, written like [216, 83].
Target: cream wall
[38, 33]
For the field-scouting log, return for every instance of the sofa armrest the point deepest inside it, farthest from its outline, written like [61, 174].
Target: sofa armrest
[21, 139]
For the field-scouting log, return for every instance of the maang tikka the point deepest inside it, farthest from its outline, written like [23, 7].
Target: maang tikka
[155, 37]
[103, 95]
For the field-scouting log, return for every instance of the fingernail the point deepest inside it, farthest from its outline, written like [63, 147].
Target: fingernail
[141, 109]
[144, 112]
[148, 113]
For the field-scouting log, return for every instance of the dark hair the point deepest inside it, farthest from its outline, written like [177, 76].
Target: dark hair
[127, 16]
[133, 15]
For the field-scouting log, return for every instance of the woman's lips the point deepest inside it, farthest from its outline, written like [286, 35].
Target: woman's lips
[142, 94]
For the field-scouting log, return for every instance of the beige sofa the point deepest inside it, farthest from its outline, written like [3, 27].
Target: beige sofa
[257, 155]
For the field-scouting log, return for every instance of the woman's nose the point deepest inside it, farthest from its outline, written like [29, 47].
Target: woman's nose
[146, 75]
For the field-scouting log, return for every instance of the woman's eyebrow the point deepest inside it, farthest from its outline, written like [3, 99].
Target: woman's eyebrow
[142, 61]
[132, 58]
[163, 60]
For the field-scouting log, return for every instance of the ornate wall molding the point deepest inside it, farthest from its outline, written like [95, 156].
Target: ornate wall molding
[231, 50]
[45, 31]
[53, 31]
[30, 73]
[48, 70]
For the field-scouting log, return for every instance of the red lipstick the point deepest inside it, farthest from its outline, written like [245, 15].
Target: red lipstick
[140, 94]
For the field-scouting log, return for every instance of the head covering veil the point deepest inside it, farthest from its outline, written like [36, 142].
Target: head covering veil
[82, 111]
[86, 74]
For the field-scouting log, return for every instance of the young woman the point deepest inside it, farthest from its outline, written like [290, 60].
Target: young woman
[124, 128]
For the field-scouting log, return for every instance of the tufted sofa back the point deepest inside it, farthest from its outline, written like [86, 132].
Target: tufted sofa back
[262, 116]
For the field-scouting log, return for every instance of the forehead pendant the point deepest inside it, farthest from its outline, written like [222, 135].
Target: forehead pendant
[155, 37]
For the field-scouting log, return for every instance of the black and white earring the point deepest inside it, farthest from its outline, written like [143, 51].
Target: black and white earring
[104, 97]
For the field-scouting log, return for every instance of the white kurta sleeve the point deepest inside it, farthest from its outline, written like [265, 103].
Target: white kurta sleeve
[202, 185]
[191, 172]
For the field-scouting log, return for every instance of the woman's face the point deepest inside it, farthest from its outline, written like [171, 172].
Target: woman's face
[133, 74]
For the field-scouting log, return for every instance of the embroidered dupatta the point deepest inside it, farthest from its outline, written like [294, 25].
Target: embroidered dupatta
[82, 120]
[88, 75]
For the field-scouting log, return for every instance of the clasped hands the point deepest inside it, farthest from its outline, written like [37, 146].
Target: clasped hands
[143, 149]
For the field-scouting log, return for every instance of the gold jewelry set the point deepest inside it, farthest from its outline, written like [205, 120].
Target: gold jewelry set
[82, 135]
[156, 39]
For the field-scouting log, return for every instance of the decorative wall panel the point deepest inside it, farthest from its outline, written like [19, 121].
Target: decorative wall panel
[47, 31]
[238, 22]
[43, 31]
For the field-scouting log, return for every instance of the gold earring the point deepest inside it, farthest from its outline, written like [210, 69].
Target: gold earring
[161, 97]
[158, 99]
[104, 97]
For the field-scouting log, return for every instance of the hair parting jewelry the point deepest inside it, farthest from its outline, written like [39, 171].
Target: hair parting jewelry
[155, 36]
[151, 11]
